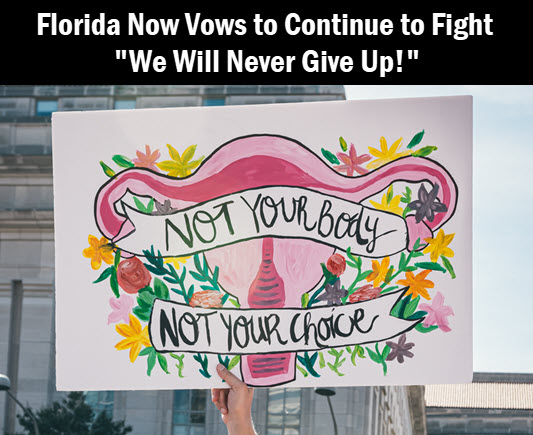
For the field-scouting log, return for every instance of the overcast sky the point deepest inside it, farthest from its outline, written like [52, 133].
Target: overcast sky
[503, 262]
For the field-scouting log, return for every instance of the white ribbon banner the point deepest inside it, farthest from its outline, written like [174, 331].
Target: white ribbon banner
[283, 212]
[176, 327]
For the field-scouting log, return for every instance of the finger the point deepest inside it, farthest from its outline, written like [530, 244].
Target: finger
[223, 402]
[232, 380]
[215, 392]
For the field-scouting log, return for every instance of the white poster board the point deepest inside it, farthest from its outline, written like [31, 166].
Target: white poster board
[298, 244]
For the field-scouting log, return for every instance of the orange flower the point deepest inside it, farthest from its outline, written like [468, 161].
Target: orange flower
[417, 284]
[379, 271]
[136, 337]
[97, 251]
[147, 160]
[206, 299]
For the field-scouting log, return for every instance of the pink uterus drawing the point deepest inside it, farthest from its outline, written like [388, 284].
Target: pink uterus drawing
[268, 272]
[272, 273]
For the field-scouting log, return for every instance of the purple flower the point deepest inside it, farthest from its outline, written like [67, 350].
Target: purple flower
[333, 294]
[400, 349]
[427, 204]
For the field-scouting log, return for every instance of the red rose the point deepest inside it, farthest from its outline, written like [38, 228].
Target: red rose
[206, 299]
[132, 275]
[336, 264]
[365, 293]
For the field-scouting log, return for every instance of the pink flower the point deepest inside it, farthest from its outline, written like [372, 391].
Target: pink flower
[437, 313]
[352, 162]
[365, 293]
[121, 309]
[147, 160]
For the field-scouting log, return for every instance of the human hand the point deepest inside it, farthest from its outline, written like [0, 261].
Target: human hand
[234, 403]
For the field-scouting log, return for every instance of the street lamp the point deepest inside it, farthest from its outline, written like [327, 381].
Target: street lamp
[5, 385]
[328, 392]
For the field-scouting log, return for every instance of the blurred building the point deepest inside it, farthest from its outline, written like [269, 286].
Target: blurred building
[27, 254]
[495, 403]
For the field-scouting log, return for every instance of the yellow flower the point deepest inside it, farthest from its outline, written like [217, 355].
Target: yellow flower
[379, 271]
[98, 250]
[180, 166]
[439, 245]
[176, 261]
[135, 337]
[386, 155]
[393, 206]
[417, 284]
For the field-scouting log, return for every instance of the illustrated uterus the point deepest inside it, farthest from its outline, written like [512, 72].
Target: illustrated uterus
[269, 273]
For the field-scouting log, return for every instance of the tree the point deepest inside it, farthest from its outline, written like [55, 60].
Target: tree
[73, 416]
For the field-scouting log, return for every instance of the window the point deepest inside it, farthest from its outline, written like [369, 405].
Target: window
[125, 104]
[189, 412]
[214, 101]
[100, 401]
[284, 409]
[46, 107]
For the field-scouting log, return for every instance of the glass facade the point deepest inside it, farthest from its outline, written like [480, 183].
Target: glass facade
[45, 107]
[101, 401]
[125, 104]
[284, 410]
[189, 412]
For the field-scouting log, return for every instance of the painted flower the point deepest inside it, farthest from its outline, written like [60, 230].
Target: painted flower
[352, 162]
[379, 271]
[333, 294]
[386, 155]
[437, 313]
[365, 293]
[336, 264]
[99, 250]
[135, 337]
[206, 299]
[427, 204]
[163, 208]
[439, 245]
[399, 350]
[132, 275]
[180, 166]
[393, 206]
[176, 261]
[417, 284]
[121, 308]
[148, 159]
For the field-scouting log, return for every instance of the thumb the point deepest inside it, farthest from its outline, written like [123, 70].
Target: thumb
[232, 380]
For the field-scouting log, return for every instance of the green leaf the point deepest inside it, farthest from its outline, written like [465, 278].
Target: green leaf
[388, 276]
[305, 300]
[104, 275]
[146, 351]
[234, 302]
[123, 161]
[390, 194]
[150, 206]
[411, 307]
[114, 283]
[332, 158]
[142, 314]
[160, 289]
[107, 170]
[386, 351]
[423, 152]
[139, 205]
[364, 275]
[145, 299]
[431, 266]
[163, 363]
[117, 258]
[388, 289]
[151, 363]
[234, 361]
[448, 266]
[344, 145]
[417, 138]
[321, 361]
[425, 329]
[417, 315]
[373, 356]
[302, 371]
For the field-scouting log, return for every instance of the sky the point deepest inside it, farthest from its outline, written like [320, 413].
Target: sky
[503, 203]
